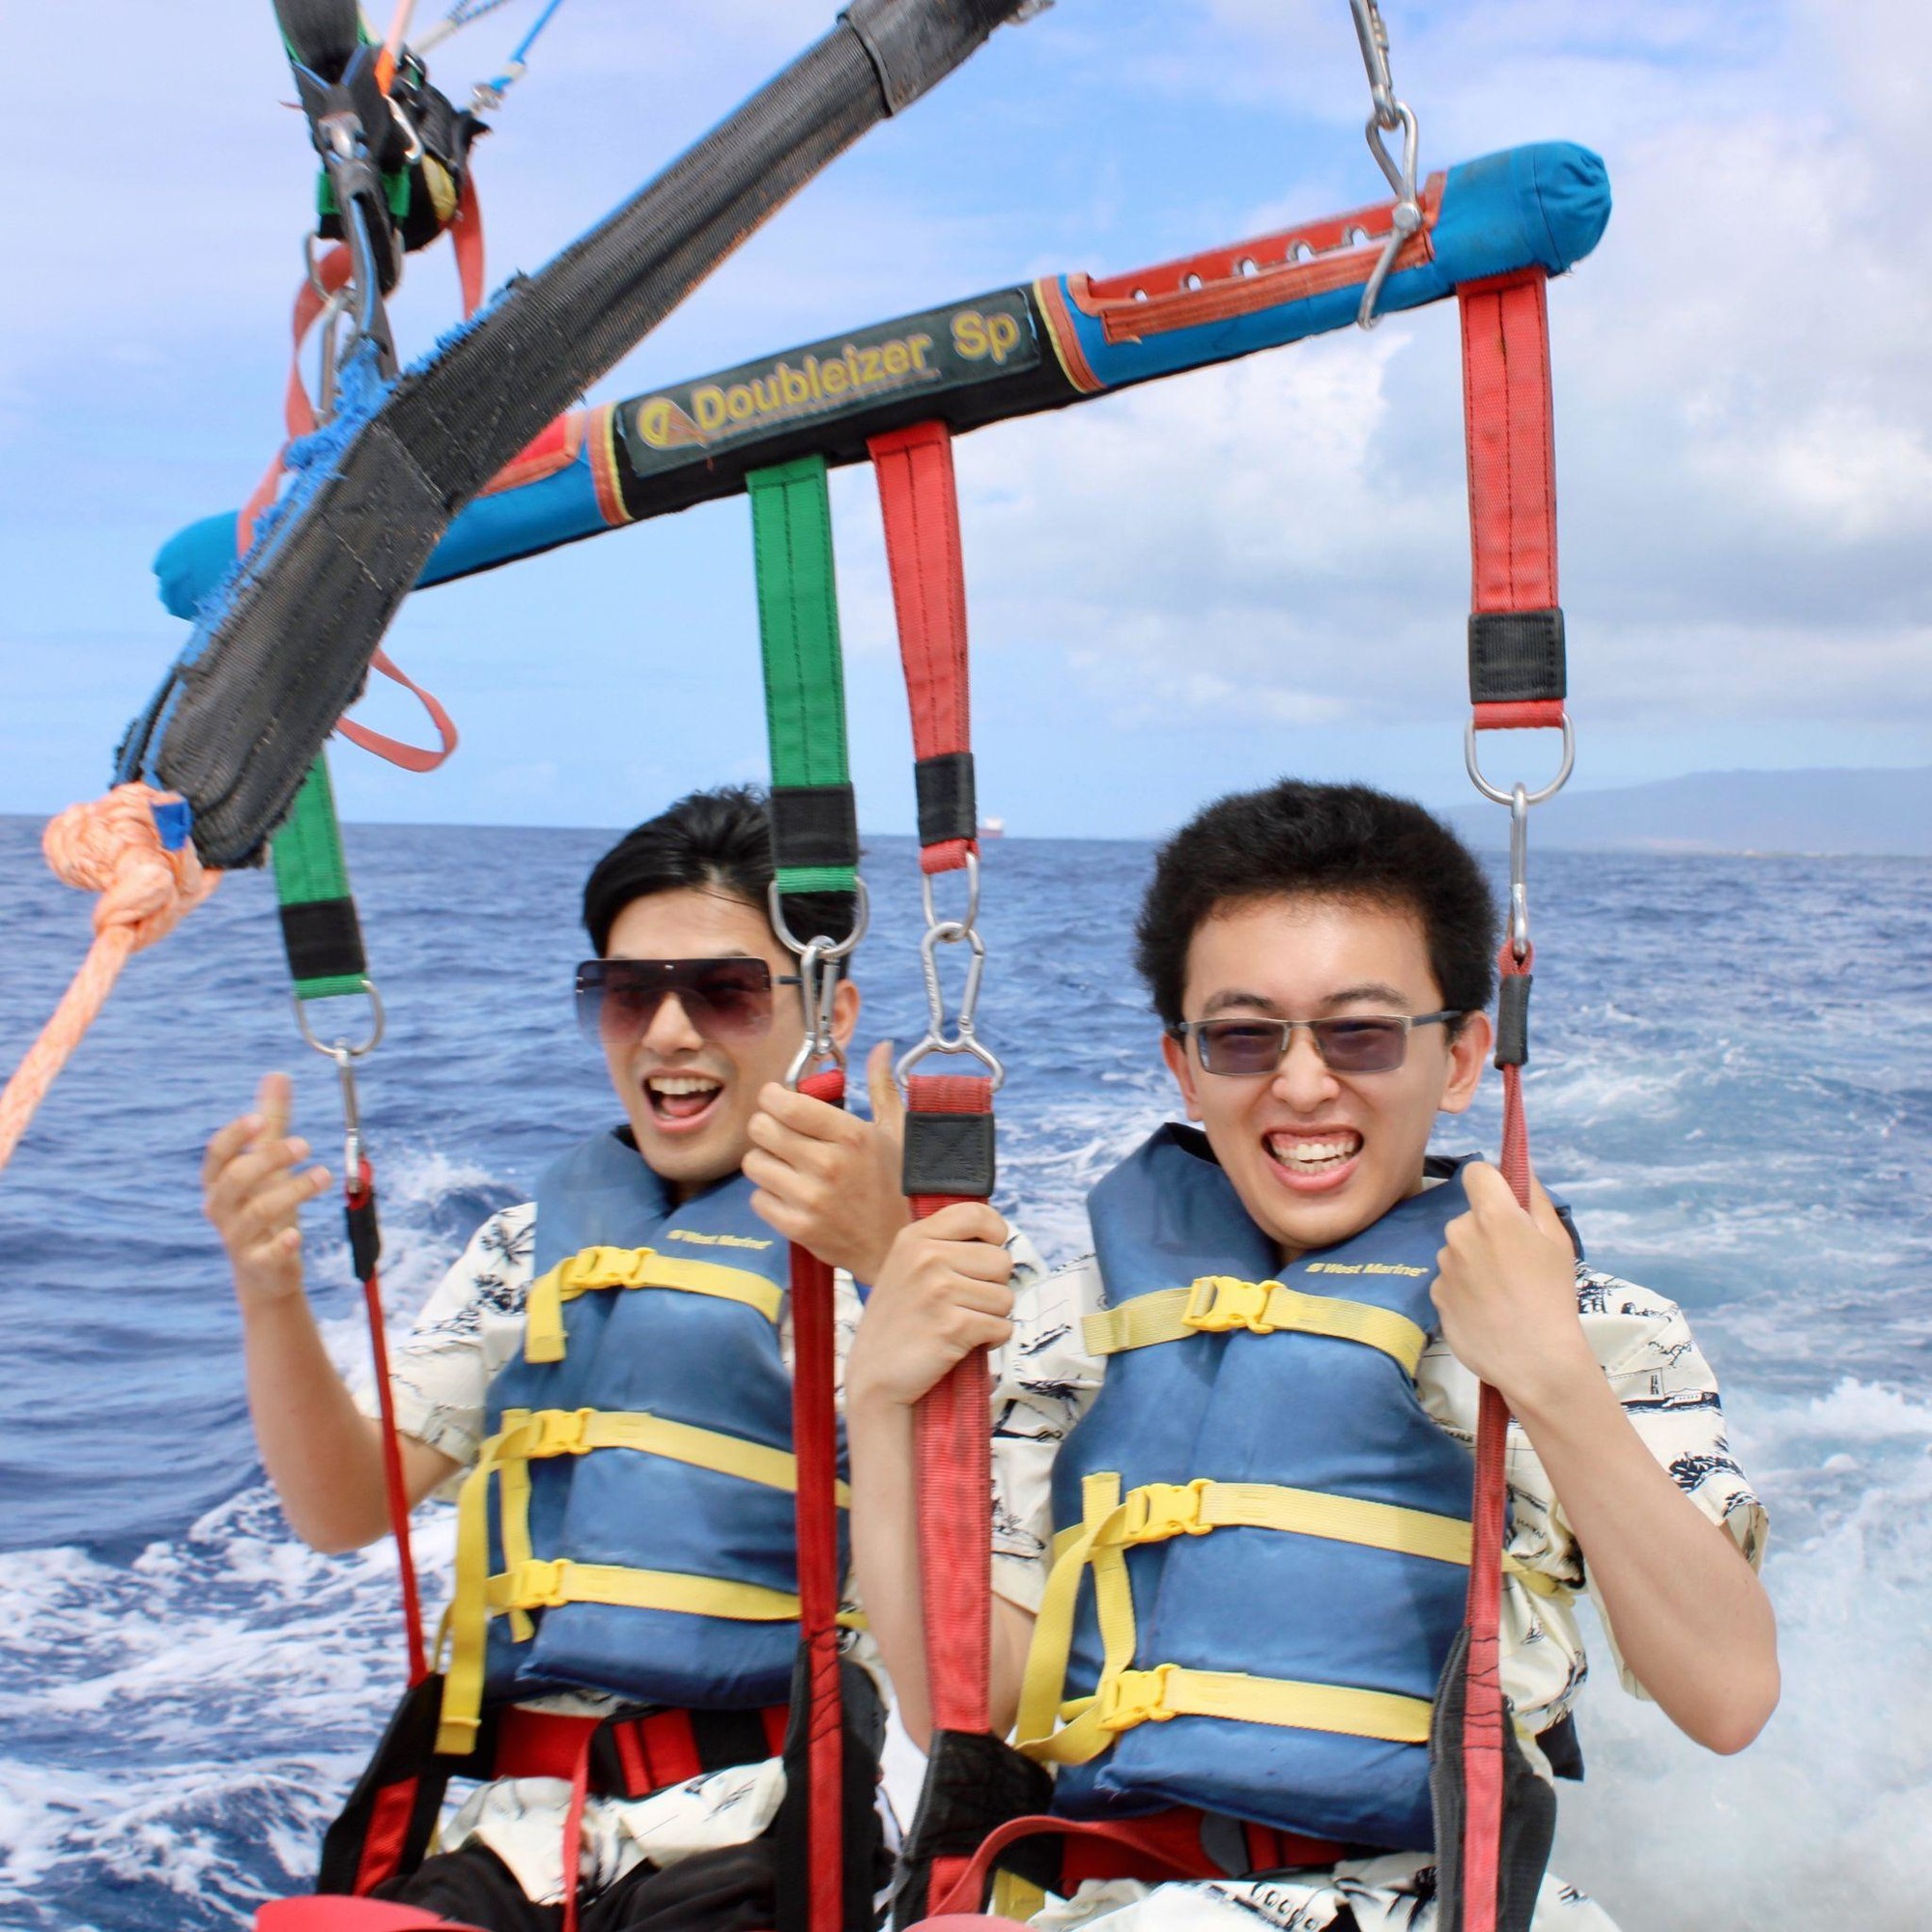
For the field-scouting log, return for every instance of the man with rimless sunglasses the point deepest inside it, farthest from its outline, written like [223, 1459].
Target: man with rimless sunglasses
[1232, 1471]
[610, 1362]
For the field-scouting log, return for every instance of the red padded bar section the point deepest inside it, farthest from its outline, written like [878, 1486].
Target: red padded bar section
[920, 502]
[815, 1442]
[539, 1744]
[1506, 412]
[1532, 715]
[670, 1750]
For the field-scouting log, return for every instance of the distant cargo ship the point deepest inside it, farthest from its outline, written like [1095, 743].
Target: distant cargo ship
[992, 828]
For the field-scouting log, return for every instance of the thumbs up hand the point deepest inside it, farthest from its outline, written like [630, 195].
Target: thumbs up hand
[828, 1180]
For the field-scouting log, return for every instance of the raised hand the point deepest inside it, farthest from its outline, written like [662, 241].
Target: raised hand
[828, 1180]
[253, 1192]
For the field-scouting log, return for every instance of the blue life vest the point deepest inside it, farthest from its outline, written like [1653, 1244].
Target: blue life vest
[629, 1527]
[1258, 1517]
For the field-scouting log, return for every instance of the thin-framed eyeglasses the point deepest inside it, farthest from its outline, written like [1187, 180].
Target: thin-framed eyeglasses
[1247, 1046]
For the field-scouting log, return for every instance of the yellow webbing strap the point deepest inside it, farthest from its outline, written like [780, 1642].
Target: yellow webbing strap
[528, 1435]
[1132, 1697]
[1217, 1303]
[548, 1585]
[1112, 1524]
[593, 1268]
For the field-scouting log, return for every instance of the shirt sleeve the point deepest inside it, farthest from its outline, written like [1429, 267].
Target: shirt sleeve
[440, 1373]
[1043, 1382]
[1670, 1396]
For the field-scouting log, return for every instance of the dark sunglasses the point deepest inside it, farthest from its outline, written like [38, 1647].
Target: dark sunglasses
[723, 998]
[1249, 1047]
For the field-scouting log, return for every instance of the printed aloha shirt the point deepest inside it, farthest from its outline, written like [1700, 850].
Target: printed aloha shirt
[1047, 1381]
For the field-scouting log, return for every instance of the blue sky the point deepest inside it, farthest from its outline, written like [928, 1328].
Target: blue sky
[1198, 584]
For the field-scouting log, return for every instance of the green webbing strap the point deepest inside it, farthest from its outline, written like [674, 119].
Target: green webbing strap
[319, 925]
[815, 828]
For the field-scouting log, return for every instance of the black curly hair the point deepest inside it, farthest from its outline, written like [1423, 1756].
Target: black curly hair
[1329, 841]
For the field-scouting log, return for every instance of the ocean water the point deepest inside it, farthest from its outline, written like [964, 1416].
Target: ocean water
[1732, 1084]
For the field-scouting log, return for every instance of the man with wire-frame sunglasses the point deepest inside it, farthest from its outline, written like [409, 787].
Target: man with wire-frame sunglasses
[610, 1363]
[1231, 1467]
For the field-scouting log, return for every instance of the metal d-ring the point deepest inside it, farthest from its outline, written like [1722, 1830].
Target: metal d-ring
[340, 1047]
[1495, 794]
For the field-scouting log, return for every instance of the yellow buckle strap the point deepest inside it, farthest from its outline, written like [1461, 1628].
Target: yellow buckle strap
[1217, 1304]
[542, 1584]
[593, 1270]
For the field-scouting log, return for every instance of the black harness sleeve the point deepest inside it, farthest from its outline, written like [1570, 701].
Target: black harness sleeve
[283, 652]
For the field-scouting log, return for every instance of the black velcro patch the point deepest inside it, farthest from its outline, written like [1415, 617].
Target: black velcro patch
[323, 940]
[1516, 657]
[813, 825]
[947, 801]
[949, 1153]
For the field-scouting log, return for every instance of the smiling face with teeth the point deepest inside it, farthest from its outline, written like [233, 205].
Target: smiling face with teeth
[1317, 1156]
[689, 1099]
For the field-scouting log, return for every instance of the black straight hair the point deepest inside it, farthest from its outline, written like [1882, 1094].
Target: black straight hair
[1345, 842]
[721, 839]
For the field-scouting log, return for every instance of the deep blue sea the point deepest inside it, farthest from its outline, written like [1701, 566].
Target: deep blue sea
[1732, 1084]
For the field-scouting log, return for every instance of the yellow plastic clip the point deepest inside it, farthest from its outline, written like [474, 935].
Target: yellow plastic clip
[537, 1585]
[1219, 1302]
[1159, 1510]
[1133, 1697]
[561, 1431]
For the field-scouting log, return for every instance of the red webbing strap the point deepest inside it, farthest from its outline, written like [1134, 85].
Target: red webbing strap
[410, 758]
[953, 1453]
[920, 502]
[358, 1195]
[1484, 1711]
[572, 1833]
[815, 1442]
[1517, 674]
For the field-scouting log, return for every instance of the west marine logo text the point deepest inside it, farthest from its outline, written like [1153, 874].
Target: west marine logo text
[810, 382]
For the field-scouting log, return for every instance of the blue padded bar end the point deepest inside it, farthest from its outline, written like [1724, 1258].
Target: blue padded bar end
[1545, 205]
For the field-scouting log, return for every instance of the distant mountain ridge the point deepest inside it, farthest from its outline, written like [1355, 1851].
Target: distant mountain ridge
[1879, 814]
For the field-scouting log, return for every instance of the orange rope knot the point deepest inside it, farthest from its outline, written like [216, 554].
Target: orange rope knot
[112, 846]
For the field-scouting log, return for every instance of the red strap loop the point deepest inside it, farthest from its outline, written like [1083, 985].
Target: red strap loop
[410, 758]
[920, 502]
[1512, 455]
[815, 1442]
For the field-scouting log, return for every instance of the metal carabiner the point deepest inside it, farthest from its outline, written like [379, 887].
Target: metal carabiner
[1405, 217]
[343, 1055]
[1373, 34]
[818, 964]
[1520, 803]
[962, 1037]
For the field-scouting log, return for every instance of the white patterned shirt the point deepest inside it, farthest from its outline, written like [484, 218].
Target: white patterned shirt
[1047, 1380]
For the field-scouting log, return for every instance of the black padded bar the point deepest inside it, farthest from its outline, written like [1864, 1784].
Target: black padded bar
[948, 803]
[1516, 657]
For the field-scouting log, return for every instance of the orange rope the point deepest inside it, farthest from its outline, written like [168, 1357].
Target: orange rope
[111, 846]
